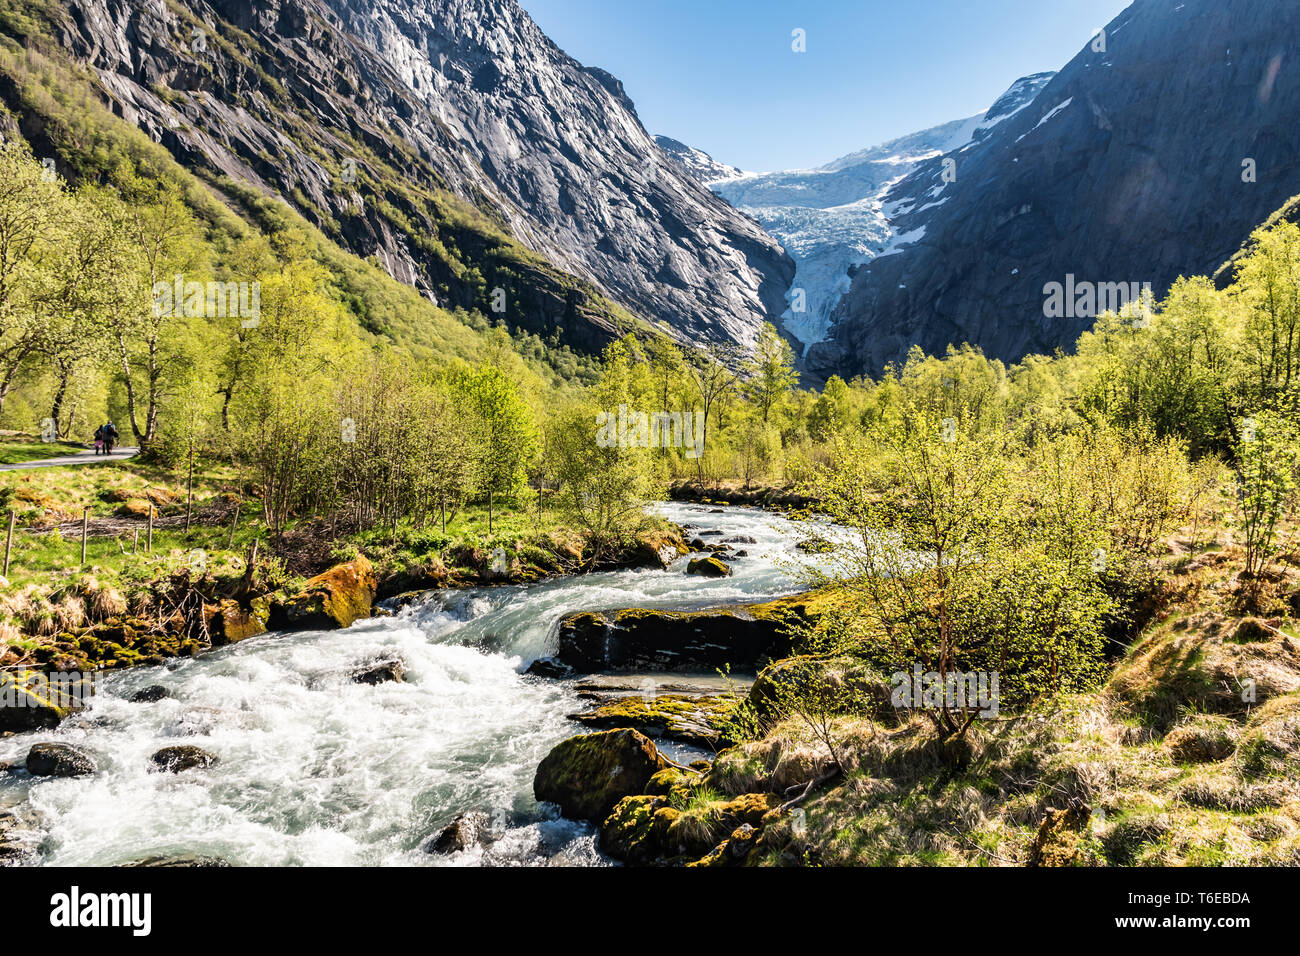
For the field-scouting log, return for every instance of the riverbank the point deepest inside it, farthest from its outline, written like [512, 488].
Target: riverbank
[197, 607]
[360, 745]
[761, 495]
[1187, 753]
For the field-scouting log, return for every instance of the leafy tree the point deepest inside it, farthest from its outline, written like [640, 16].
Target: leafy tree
[30, 200]
[958, 565]
[770, 372]
[508, 431]
[716, 372]
[1267, 462]
[165, 238]
[603, 488]
[84, 283]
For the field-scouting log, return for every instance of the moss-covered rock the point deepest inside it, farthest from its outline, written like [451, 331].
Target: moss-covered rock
[669, 779]
[588, 775]
[676, 717]
[26, 702]
[741, 636]
[657, 548]
[343, 594]
[814, 544]
[710, 567]
[628, 832]
[230, 623]
[1062, 839]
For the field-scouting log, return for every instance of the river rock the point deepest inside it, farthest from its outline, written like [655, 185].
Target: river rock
[549, 667]
[630, 832]
[151, 694]
[743, 636]
[182, 757]
[587, 775]
[741, 841]
[25, 703]
[380, 672]
[655, 549]
[709, 567]
[229, 622]
[740, 539]
[467, 830]
[343, 594]
[179, 860]
[814, 544]
[17, 838]
[689, 719]
[59, 760]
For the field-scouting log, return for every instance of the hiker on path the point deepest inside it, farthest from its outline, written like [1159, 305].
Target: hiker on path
[110, 436]
[99, 439]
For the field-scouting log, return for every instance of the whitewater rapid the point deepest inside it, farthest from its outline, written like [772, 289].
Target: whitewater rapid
[314, 769]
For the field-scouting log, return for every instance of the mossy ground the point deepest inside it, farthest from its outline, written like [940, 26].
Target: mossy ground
[1188, 755]
[52, 601]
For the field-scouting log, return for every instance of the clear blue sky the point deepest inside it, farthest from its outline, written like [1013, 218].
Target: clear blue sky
[720, 74]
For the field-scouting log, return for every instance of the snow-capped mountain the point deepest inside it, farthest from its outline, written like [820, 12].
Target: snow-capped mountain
[1150, 155]
[834, 217]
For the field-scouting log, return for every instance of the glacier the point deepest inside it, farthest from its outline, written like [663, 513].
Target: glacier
[835, 217]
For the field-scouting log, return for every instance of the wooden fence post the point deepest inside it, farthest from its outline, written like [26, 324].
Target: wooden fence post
[9, 540]
[234, 521]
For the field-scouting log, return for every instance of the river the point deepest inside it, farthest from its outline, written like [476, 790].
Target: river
[316, 770]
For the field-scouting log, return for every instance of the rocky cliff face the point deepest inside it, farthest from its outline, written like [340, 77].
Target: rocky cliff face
[402, 126]
[1131, 165]
[701, 167]
[564, 143]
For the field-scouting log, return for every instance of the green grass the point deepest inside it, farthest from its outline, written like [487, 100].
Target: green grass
[14, 451]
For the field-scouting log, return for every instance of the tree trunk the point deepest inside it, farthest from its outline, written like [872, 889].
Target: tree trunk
[189, 497]
[130, 388]
[59, 395]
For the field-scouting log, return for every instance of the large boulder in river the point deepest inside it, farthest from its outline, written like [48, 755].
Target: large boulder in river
[708, 567]
[742, 636]
[657, 549]
[27, 703]
[343, 594]
[588, 775]
[230, 622]
[59, 760]
[182, 757]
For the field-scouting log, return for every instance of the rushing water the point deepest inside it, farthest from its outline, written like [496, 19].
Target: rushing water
[317, 770]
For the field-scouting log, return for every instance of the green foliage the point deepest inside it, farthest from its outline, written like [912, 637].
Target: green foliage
[966, 556]
[1268, 462]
